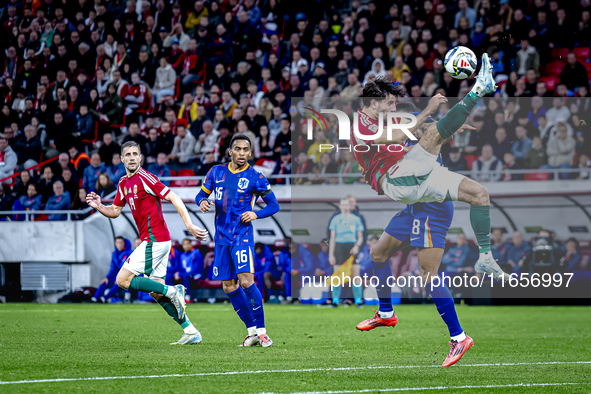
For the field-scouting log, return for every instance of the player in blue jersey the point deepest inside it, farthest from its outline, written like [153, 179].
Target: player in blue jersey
[425, 226]
[235, 187]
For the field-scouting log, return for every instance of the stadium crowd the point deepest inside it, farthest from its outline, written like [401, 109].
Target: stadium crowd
[180, 78]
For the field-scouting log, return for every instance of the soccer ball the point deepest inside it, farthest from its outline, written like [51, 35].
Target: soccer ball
[460, 62]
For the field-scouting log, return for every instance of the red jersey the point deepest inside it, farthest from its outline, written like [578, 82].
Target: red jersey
[143, 192]
[377, 159]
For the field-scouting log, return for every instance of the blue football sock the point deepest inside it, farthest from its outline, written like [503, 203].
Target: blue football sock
[336, 294]
[287, 285]
[383, 271]
[240, 304]
[255, 301]
[358, 294]
[446, 308]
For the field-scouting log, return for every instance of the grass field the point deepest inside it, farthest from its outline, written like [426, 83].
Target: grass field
[316, 350]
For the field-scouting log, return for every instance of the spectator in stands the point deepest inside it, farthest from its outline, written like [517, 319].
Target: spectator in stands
[184, 144]
[151, 146]
[166, 137]
[188, 109]
[536, 155]
[560, 151]
[314, 149]
[207, 140]
[207, 164]
[512, 164]
[456, 161]
[28, 148]
[60, 201]
[455, 259]
[92, 172]
[516, 251]
[5, 203]
[527, 57]
[160, 169]
[79, 160]
[191, 268]
[326, 165]
[165, 81]
[572, 255]
[262, 258]
[8, 160]
[116, 170]
[79, 204]
[108, 148]
[574, 73]
[70, 181]
[466, 12]
[104, 186]
[487, 168]
[523, 143]
[498, 246]
[29, 202]
[174, 263]
[108, 288]
[112, 111]
[282, 167]
[301, 262]
[84, 126]
[135, 136]
[558, 113]
[46, 183]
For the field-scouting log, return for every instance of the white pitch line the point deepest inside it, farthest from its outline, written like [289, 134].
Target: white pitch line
[488, 386]
[112, 310]
[280, 371]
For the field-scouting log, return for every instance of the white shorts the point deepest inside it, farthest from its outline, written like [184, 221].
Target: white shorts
[420, 178]
[150, 259]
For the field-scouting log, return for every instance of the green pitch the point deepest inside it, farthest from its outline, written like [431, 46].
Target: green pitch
[316, 350]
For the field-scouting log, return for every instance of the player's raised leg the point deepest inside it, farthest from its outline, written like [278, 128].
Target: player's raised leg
[128, 280]
[429, 261]
[380, 255]
[191, 335]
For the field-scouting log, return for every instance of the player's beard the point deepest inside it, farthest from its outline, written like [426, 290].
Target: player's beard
[130, 170]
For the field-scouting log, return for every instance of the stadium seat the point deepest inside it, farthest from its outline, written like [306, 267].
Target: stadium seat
[187, 183]
[588, 67]
[176, 244]
[539, 176]
[551, 81]
[172, 173]
[560, 53]
[582, 54]
[196, 243]
[554, 68]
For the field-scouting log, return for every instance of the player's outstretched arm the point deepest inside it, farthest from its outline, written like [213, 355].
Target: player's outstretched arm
[94, 200]
[180, 207]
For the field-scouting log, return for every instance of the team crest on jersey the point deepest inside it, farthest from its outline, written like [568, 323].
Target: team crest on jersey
[134, 189]
[125, 190]
[215, 271]
[373, 128]
[242, 183]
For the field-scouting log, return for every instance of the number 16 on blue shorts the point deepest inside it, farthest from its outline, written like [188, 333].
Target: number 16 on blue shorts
[228, 261]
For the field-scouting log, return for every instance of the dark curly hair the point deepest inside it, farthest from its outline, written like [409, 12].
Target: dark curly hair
[380, 87]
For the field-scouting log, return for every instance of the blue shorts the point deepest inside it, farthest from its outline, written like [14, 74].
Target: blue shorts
[424, 225]
[228, 261]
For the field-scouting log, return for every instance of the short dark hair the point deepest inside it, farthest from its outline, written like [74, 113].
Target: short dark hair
[120, 237]
[406, 106]
[130, 144]
[381, 87]
[238, 137]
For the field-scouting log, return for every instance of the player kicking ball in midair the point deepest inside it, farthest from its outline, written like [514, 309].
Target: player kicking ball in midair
[425, 226]
[235, 188]
[416, 176]
[143, 192]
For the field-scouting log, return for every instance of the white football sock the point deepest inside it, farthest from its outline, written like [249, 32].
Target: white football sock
[170, 292]
[459, 337]
[386, 315]
[261, 331]
[252, 331]
[190, 329]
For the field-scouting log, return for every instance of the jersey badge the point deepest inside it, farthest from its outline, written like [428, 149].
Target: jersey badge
[125, 190]
[373, 128]
[134, 189]
[242, 183]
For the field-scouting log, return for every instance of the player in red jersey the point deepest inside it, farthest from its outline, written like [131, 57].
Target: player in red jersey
[143, 192]
[416, 176]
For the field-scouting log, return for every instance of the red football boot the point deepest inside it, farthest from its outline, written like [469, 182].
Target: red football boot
[377, 321]
[457, 350]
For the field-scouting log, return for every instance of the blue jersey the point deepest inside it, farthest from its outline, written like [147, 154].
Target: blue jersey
[422, 224]
[234, 193]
